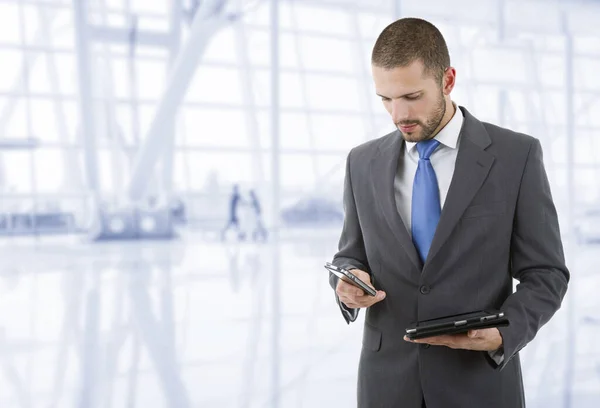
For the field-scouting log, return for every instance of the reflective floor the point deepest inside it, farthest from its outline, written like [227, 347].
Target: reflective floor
[195, 323]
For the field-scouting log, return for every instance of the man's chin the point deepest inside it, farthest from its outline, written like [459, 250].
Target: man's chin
[412, 137]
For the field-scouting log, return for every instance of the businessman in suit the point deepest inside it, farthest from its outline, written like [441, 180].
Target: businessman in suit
[440, 216]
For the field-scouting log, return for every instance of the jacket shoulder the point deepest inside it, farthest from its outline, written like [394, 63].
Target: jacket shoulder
[369, 148]
[510, 138]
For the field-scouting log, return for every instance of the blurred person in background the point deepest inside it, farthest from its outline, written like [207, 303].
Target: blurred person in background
[235, 206]
[440, 216]
[258, 229]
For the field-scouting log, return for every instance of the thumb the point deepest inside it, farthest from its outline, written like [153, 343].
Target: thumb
[380, 295]
[473, 333]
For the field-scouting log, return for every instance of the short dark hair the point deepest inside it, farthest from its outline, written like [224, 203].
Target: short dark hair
[408, 40]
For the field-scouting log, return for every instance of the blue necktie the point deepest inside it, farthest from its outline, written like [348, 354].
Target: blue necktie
[426, 207]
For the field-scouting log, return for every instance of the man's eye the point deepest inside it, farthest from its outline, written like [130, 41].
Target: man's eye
[412, 98]
[383, 98]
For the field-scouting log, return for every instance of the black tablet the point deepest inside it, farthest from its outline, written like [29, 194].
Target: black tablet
[460, 323]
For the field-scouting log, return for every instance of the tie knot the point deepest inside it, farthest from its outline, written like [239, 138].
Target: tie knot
[426, 148]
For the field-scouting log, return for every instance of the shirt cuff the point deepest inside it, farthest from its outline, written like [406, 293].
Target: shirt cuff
[349, 313]
[497, 355]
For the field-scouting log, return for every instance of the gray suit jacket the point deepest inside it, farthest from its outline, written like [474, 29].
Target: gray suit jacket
[498, 223]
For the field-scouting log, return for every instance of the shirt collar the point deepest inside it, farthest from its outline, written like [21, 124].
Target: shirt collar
[448, 136]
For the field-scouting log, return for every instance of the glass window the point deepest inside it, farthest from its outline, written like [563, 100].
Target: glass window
[113, 170]
[10, 69]
[338, 132]
[555, 149]
[531, 15]
[120, 78]
[288, 52]
[146, 113]
[370, 25]
[298, 170]
[292, 90]
[124, 114]
[313, 18]
[154, 24]
[515, 66]
[39, 75]
[333, 93]
[63, 29]
[295, 131]
[150, 77]
[587, 107]
[10, 23]
[587, 148]
[217, 85]
[586, 74]
[45, 121]
[230, 167]
[587, 44]
[181, 175]
[328, 54]
[50, 171]
[17, 171]
[66, 73]
[14, 112]
[586, 185]
[206, 127]
[222, 48]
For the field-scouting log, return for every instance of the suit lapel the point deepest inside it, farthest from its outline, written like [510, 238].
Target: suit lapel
[473, 164]
[384, 166]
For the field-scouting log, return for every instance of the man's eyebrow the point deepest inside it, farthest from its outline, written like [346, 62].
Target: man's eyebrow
[402, 96]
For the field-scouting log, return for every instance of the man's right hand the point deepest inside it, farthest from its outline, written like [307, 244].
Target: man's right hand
[355, 297]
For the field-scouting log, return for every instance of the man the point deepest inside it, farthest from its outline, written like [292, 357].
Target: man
[234, 212]
[440, 216]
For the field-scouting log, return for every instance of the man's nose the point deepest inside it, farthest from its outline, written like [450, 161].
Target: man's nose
[400, 111]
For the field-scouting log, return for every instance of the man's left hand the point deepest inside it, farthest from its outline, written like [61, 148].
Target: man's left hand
[480, 340]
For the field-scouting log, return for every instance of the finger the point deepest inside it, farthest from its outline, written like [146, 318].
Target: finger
[345, 290]
[457, 341]
[362, 275]
[363, 300]
[473, 333]
[443, 340]
[355, 291]
[368, 300]
[379, 296]
[355, 301]
[343, 284]
[346, 299]
[352, 293]
[349, 302]
[349, 289]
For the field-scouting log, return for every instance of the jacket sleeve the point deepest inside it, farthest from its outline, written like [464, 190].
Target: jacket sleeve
[537, 259]
[351, 250]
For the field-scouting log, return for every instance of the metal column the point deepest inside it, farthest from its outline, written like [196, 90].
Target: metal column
[87, 128]
[571, 191]
[275, 207]
[175, 19]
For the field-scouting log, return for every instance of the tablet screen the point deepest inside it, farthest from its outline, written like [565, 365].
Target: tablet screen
[452, 318]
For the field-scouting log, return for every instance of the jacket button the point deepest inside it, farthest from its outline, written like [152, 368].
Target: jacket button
[424, 289]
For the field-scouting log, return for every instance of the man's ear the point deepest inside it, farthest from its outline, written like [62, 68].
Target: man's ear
[449, 80]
